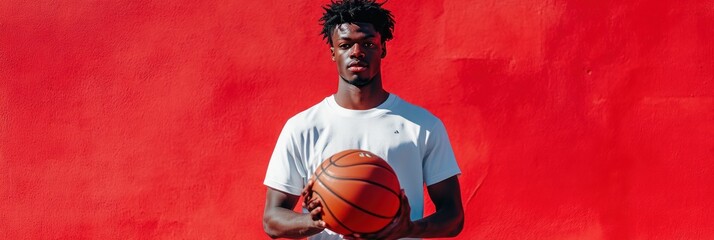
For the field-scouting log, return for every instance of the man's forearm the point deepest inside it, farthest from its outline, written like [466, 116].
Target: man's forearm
[443, 223]
[284, 223]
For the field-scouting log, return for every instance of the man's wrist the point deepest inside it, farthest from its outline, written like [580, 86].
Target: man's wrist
[310, 226]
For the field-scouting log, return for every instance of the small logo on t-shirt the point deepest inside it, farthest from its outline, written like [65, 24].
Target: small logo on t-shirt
[396, 131]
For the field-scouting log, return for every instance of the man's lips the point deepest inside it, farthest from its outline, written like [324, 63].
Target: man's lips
[357, 67]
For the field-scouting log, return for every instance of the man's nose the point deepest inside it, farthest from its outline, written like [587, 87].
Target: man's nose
[357, 51]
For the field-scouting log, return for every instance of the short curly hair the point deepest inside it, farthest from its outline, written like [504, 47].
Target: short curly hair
[351, 11]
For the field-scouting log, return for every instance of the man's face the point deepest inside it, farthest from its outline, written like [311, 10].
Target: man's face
[358, 50]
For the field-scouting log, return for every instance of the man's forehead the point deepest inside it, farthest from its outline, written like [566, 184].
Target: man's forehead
[357, 27]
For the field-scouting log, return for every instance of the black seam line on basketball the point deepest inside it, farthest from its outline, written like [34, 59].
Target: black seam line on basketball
[346, 154]
[356, 151]
[391, 171]
[323, 169]
[350, 203]
[333, 215]
[333, 162]
[395, 215]
[363, 180]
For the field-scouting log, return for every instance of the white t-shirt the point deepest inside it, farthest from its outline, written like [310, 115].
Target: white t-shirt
[412, 140]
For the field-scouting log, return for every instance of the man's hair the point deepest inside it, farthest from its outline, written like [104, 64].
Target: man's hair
[351, 11]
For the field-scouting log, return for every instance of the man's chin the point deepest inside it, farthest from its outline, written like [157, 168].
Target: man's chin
[358, 81]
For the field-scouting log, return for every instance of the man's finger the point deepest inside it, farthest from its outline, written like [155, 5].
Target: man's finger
[367, 236]
[354, 236]
[307, 194]
[314, 203]
[307, 188]
[405, 203]
[316, 213]
[320, 224]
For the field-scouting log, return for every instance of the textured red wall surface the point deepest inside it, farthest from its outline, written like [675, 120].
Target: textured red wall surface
[156, 119]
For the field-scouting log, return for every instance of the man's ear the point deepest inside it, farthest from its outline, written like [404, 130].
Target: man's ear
[384, 49]
[332, 52]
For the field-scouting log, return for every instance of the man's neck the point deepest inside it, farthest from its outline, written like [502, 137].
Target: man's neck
[360, 98]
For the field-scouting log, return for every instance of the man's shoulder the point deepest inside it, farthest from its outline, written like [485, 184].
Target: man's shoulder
[307, 118]
[415, 113]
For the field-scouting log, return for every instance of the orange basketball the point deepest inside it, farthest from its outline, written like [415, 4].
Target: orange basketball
[359, 191]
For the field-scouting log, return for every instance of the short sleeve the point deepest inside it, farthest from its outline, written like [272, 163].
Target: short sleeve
[439, 162]
[285, 169]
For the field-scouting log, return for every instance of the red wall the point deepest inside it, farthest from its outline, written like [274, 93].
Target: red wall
[156, 119]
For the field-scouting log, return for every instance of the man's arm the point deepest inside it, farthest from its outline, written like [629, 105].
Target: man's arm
[448, 220]
[280, 221]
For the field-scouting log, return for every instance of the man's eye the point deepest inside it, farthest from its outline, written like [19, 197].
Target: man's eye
[369, 45]
[345, 46]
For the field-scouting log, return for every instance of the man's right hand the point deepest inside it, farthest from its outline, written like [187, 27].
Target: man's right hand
[312, 203]
[280, 221]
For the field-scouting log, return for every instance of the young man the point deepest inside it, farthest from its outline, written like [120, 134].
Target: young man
[362, 115]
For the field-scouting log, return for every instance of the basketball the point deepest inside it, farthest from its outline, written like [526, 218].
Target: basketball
[359, 191]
